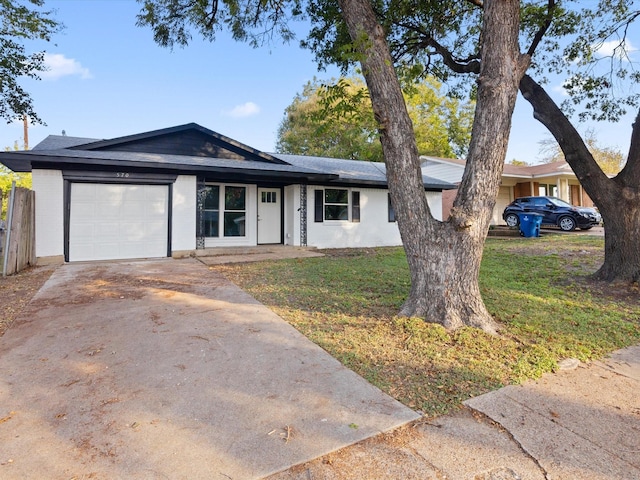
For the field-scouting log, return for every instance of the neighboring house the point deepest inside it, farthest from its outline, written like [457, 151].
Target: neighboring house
[172, 191]
[555, 179]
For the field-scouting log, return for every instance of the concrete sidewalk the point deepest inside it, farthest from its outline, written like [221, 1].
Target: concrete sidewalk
[581, 424]
[163, 369]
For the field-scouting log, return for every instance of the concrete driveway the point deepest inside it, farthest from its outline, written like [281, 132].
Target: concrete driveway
[163, 369]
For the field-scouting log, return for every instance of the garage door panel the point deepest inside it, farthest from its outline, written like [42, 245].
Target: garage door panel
[110, 222]
[105, 211]
[503, 199]
[85, 209]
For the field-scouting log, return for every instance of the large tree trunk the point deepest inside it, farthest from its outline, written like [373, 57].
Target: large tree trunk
[444, 258]
[617, 198]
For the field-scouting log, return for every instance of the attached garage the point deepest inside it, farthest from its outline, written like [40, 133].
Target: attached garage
[108, 222]
[113, 216]
[503, 199]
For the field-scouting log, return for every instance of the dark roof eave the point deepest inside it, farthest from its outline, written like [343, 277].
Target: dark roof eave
[19, 162]
[184, 169]
[16, 162]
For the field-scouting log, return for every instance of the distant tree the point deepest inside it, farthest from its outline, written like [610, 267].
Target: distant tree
[441, 124]
[337, 121]
[519, 163]
[7, 177]
[318, 123]
[21, 21]
[610, 160]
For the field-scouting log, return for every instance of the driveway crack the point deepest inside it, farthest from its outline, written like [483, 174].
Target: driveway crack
[522, 448]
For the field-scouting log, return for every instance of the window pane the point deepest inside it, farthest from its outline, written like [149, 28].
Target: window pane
[234, 224]
[212, 200]
[211, 224]
[391, 211]
[336, 212]
[234, 198]
[336, 196]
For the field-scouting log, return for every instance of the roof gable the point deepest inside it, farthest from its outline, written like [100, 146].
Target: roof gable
[189, 140]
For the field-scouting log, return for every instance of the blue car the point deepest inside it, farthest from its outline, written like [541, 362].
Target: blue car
[555, 212]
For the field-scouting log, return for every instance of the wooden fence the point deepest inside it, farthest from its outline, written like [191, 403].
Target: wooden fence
[20, 245]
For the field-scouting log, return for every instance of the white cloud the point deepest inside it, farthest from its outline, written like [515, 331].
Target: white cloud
[247, 109]
[560, 89]
[60, 66]
[608, 49]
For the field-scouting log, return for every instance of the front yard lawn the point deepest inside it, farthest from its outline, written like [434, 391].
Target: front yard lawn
[538, 289]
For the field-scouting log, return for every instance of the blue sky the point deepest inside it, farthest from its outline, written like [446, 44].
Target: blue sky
[108, 78]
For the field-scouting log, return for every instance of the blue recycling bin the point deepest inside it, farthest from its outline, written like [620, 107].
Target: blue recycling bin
[530, 224]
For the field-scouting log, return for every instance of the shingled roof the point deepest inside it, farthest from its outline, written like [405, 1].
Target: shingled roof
[192, 149]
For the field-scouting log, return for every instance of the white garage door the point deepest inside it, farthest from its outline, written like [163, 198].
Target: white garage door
[109, 222]
[503, 199]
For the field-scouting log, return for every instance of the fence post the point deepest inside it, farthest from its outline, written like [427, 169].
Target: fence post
[8, 228]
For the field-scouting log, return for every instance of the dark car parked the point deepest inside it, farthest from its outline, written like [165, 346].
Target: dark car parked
[555, 212]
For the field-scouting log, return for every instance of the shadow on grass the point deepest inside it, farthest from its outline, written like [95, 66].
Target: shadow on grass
[347, 305]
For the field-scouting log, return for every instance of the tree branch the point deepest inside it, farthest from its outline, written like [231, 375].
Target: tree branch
[631, 169]
[212, 15]
[537, 38]
[575, 151]
[467, 65]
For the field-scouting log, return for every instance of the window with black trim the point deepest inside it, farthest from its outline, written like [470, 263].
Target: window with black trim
[212, 211]
[332, 204]
[355, 207]
[336, 204]
[226, 203]
[391, 212]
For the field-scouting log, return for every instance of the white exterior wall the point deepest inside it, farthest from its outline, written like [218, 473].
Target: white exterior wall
[183, 219]
[374, 228]
[49, 188]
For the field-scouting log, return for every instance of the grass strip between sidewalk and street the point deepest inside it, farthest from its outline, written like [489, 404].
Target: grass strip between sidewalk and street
[538, 289]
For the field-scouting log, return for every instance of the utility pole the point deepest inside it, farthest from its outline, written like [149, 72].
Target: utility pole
[25, 120]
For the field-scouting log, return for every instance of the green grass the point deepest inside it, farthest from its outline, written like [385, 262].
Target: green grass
[538, 289]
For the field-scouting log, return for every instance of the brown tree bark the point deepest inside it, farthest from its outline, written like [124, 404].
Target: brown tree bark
[618, 198]
[444, 258]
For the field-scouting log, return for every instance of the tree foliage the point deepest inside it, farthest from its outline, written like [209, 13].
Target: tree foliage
[586, 45]
[611, 160]
[337, 121]
[319, 123]
[21, 21]
[518, 163]
[7, 177]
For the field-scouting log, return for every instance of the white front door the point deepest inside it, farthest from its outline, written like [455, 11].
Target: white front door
[269, 215]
